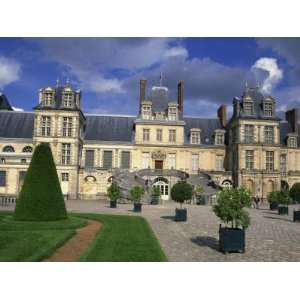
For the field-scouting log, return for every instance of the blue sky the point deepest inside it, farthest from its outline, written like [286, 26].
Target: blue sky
[107, 70]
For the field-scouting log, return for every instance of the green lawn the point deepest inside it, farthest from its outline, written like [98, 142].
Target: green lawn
[124, 239]
[121, 238]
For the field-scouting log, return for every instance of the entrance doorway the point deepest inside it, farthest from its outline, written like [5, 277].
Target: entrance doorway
[163, 185]
[159, 164]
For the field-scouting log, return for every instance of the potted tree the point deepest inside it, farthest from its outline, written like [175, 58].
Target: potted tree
[180, 192]
[200, 200]
[155, 195]
[273, 200]
[283, 201]
[136, 195]
[295, 195]
[230, 209]
[114, 194]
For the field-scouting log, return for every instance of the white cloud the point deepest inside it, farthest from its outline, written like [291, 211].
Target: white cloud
[274, 73]
[98, 84]
[176, 51]
[17, 108]
[9, 71]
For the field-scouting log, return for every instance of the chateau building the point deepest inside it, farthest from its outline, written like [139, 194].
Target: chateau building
[254, 148]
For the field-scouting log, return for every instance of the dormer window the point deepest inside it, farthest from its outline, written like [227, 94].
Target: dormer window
[48, 98]
[146, 111]
[68, 100]
[248, 107]
[195, 136]
[268, 107]
[219, 137]
[172, 112]
[292, 141]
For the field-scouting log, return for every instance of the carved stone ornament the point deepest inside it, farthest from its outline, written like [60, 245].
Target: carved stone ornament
[158, 155]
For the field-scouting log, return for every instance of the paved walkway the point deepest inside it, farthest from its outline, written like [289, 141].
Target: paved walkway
[269, 238]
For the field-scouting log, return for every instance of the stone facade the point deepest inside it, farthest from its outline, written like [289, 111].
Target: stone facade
[254, 148]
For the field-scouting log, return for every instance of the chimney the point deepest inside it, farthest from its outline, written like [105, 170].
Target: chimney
[292, 117]
[222, 115]
[236, 107]
[180, 88]
[143, 83]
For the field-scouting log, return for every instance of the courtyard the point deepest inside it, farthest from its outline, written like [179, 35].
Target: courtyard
[270, 237]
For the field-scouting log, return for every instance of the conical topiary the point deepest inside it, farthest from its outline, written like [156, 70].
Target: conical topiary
[41, 197]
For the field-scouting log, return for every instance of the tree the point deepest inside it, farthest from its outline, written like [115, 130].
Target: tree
[136, 193]
[41, 198]
[114, 192]
[295, 192]
[273, 197]
[230, 207]
[181, 191]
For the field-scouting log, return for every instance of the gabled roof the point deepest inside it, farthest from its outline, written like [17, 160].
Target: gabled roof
[4, 103]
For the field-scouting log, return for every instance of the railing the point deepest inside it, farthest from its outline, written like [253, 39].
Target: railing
[7, 200]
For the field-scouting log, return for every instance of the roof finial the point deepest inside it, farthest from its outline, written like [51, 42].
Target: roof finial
[161, 78]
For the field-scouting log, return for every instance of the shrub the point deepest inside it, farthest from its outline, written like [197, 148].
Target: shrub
[279, 197]
[114, 192]
[181, 191]
[230, 207]
[295, 192]
[41, 197]
[136, 193]
[155, 190]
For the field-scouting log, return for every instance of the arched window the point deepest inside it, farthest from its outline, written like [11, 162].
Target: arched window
[27, 149]
[90, 179]
[226, 183]
[8, 149]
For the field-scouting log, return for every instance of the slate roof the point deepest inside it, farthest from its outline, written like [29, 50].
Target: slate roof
[4, 103]
[159, 98]
[109, 128]
[15, 124]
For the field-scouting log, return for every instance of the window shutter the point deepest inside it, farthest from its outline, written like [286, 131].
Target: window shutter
[89, 158]
[2, 178]
[125, 160]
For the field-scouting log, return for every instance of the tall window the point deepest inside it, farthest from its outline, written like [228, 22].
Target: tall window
[219, 163]
[292, 142]
[145, 160]
[195, 137]
[48, 98]
[68, 99]
[46, 126]
[107, 159]
[269, 160]
[146, 135]
[89, 158]
[172, 114]
[269, 134]
[248, 108]
[159, 135]
[249, 159]
[268, 109]
[172, 161]
[283, 163]
[2, 178]
[146, 112]
[172, 135]
[195, 162]
[219, 139]
[64, 177]
[66, 154]
[249, 134]
[67, 126]
[125, 160]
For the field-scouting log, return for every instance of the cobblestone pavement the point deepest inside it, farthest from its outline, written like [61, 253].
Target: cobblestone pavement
[270, 237]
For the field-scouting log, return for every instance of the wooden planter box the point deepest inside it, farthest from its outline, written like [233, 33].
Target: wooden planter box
[137, 207]
[113, 204]
[231, 240]
[180, 214]
[296, 217]
[273, 206]
[283, 210]
[155, 199]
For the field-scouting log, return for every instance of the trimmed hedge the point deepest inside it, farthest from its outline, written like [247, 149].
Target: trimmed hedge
[41, 198]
